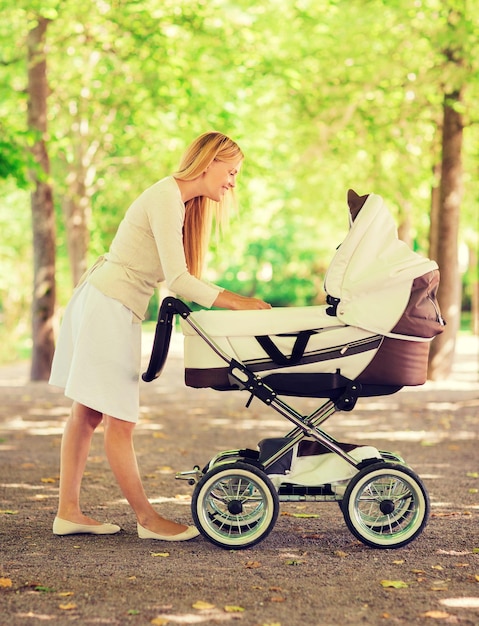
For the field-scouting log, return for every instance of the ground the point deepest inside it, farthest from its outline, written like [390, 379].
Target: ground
[310, 571]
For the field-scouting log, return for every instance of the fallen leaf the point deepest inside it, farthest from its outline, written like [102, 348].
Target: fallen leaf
[48, 480]
[277, 599]
[252, 564]
[8, 512]
[293, 562]
[5, 582]
[64, 594]
[395, 584]
[340, 553]
[435, 614]
[438, 567]
[67, 607]
[233, 609]
[202, 606]
[44, 589]
[164, 554]
[160, 621]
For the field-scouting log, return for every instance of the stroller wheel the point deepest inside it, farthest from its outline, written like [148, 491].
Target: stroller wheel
[386, 505]
[235, 505]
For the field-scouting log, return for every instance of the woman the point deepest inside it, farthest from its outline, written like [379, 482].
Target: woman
[163, 237]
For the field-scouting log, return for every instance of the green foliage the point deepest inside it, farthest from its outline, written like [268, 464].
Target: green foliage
[13, 162]
[322, 95]
[17, 271]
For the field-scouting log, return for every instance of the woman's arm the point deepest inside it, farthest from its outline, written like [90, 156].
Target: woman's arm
[229, 300]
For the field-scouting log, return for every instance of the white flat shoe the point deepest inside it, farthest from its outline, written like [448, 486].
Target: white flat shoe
[64, 527]
[189, 533]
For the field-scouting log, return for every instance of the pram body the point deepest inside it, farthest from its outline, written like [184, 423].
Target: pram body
[371, 339]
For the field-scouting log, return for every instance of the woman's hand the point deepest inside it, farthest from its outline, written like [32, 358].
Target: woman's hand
[235, 302]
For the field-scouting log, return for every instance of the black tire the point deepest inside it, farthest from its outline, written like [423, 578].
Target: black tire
[386, 505]
[235, 505]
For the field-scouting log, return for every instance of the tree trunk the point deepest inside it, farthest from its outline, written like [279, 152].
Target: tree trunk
[43, 217]
[76, 212]
[434, 217]
[473, 265]
[449, 295]
[405, 224]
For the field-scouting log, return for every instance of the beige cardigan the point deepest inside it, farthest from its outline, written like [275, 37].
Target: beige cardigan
[147, 250]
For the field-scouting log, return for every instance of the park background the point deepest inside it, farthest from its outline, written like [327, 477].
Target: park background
[100, 98]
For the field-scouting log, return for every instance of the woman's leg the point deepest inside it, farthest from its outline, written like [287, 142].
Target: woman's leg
[122, 458]
[75, 447]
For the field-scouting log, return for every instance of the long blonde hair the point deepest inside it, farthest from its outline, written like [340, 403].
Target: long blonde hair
[201, 210]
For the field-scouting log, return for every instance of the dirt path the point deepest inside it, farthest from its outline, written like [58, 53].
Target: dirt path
[310, 571]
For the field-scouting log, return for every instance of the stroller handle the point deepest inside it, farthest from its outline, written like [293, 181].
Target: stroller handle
[169, 308]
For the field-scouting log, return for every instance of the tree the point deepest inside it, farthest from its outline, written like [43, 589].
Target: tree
[450, 195]
[43, 216]
[446, 231]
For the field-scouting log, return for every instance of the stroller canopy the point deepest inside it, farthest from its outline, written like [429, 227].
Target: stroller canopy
[372, 272]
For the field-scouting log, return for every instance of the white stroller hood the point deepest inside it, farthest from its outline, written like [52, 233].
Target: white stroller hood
[372, 271]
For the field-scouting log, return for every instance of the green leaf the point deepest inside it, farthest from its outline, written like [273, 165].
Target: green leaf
[395, 584]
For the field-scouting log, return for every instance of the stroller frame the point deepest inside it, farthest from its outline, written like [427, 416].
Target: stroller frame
[235, 504]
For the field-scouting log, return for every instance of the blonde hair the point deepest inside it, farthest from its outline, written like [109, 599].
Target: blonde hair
[201, 210]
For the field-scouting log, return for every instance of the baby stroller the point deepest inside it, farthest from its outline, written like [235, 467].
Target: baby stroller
[370, 339]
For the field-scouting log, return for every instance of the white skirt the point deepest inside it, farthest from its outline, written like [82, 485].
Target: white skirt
[98, 354]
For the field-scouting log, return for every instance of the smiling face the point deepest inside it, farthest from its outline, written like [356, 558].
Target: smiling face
[220, 177]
